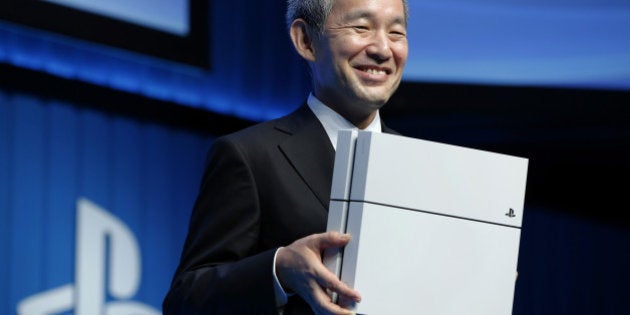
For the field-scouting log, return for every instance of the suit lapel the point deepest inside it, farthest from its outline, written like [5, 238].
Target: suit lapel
[309, 151]
[386, 129]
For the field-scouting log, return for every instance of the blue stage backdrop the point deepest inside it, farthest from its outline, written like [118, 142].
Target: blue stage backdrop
[94, 208]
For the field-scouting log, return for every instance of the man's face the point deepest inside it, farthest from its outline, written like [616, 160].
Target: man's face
[359, 60]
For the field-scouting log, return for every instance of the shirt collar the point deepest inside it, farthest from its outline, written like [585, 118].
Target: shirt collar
[333, 122]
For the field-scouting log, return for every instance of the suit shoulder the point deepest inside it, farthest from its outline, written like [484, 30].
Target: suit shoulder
[269, 130]
[254, 133]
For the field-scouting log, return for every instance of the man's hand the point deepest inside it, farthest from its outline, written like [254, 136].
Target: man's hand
[300, 269]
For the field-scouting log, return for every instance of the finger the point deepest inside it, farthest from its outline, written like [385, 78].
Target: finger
[324, 305]
[329, 281]
[331, 239]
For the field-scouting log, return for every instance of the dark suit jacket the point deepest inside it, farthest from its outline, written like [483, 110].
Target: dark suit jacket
[264, 187]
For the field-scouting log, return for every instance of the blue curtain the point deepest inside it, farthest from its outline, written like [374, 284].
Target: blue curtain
[52, 154]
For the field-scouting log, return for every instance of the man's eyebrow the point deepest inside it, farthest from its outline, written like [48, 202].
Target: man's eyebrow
[360, 14]
[357, 14]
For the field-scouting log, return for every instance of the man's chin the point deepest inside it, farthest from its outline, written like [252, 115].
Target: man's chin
[375, 102]
[375, 99]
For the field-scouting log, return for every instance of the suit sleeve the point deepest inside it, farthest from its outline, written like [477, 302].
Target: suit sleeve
[221, 270]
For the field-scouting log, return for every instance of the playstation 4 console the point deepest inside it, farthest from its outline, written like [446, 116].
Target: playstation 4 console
[435, 227]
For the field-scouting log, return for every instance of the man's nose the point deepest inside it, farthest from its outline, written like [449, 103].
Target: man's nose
[379, 47]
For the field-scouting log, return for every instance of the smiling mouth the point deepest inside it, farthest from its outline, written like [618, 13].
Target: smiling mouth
[375, 70]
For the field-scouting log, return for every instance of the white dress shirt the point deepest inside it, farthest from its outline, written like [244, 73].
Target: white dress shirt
[333, 122]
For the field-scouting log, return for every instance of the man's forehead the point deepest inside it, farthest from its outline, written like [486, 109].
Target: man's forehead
[366, 14]
[356, 9]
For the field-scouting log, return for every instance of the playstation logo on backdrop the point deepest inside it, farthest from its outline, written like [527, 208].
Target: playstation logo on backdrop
[511, 213]
[97, 274]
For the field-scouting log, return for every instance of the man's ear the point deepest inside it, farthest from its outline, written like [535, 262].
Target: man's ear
[302, 39]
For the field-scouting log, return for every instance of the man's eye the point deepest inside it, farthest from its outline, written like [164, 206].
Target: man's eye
[360, 27]
[398, 33]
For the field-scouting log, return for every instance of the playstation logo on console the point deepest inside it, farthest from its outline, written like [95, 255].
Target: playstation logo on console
[511, 213]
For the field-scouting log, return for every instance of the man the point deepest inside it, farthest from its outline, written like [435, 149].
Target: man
[268, 186]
